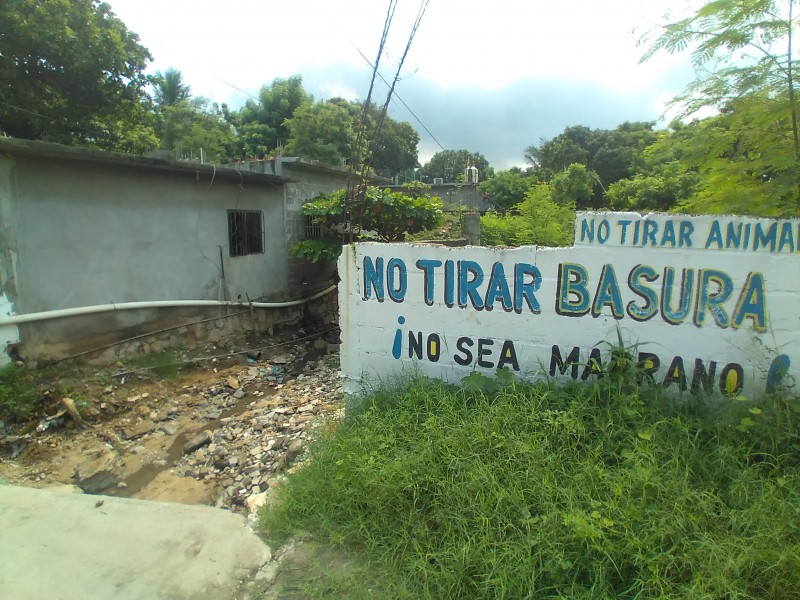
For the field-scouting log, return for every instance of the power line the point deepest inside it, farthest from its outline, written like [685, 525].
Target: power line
[396, 95]
[238, 89]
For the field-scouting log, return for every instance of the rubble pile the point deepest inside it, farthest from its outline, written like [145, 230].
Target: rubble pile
[243, 453]
[224, 434]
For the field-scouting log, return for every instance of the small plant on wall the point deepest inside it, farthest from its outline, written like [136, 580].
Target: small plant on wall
[385, 216]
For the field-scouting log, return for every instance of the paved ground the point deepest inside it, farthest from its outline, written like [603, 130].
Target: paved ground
[63, 546]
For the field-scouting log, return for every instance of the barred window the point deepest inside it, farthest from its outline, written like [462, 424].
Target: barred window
[245, 232]
[312, 230]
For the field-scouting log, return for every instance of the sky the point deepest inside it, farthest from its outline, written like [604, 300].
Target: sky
[489, 77]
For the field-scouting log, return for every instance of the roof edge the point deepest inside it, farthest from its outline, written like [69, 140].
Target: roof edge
[41, 149]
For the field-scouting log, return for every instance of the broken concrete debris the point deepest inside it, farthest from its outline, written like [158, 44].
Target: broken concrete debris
[231, 433]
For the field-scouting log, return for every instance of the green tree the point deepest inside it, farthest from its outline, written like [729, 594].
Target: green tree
[745, 68]
[385, 215]
[261, 126]
[575, 186]
[507, 188]
[71, 72]
[555, 155]
[394, 149]
[328, 131]
[322, 131]
[169, 88]
[660, 191]
[610, 155]
[451, 164]
[196, 128]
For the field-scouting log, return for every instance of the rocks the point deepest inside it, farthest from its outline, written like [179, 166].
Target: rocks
[201, 439]
[255, 501]
[248, 449]
[98, 473]
[169, 428]
[143, 427]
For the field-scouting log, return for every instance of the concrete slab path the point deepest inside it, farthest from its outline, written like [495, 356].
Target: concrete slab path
[62, 546]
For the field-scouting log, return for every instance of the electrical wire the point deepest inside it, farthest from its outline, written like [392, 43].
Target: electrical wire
[396, 96]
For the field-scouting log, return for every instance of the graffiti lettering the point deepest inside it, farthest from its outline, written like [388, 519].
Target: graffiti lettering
[700, 293]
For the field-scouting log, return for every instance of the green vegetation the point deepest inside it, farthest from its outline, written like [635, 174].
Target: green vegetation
[382, 214]
[165, 364]
[72, 73]
[75, 75]
[19, 396]
[26, 391]
[538, 219]
[497, 489]
[450, 165]
[450, 227]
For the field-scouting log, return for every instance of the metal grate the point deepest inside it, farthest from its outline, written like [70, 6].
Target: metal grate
[312, 230]
[245, 232]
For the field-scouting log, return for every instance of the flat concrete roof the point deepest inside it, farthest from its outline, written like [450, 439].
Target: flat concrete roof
[14, 146]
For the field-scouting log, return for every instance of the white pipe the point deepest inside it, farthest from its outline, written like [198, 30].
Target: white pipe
[99, 308]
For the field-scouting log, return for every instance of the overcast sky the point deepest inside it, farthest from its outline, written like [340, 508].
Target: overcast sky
[492, 77]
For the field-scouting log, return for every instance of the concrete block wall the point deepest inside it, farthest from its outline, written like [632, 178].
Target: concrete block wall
[705, 303]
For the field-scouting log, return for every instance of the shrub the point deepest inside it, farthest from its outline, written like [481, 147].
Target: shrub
[382, 214]
[536, 220]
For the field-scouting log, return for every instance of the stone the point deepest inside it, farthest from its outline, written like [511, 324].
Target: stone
[98, 473]
[140, 429]
[169, 428]
[255, 501]
[238, 394]
[201, 439]
[233, 382]
[294, 450]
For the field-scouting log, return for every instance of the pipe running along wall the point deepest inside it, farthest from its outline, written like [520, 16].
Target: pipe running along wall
[101, 308]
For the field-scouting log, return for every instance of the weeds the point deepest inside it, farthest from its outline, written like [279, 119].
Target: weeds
[539, 491]
[164, 364]
[19, 397]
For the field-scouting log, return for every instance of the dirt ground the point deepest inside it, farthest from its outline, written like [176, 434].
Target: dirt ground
[134, 428]
[224, 430]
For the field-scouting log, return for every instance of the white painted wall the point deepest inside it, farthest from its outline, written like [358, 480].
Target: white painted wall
[742, 353]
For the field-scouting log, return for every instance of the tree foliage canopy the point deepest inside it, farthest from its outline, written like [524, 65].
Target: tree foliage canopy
[451, 164]
[383, 214]
[743, 51]
[507, 188]
[261, 125]
[169, 88]
[609, 155]
[71, 72]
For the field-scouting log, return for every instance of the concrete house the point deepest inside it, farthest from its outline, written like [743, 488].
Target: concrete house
[82, 229]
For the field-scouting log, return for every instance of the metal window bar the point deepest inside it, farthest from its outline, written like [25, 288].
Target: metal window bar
[245, 232]
[312, 230]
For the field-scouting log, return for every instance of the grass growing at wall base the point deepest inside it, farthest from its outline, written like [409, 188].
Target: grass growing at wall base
[537, 491]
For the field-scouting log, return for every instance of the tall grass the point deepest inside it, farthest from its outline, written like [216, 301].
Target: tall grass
[537, 491]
